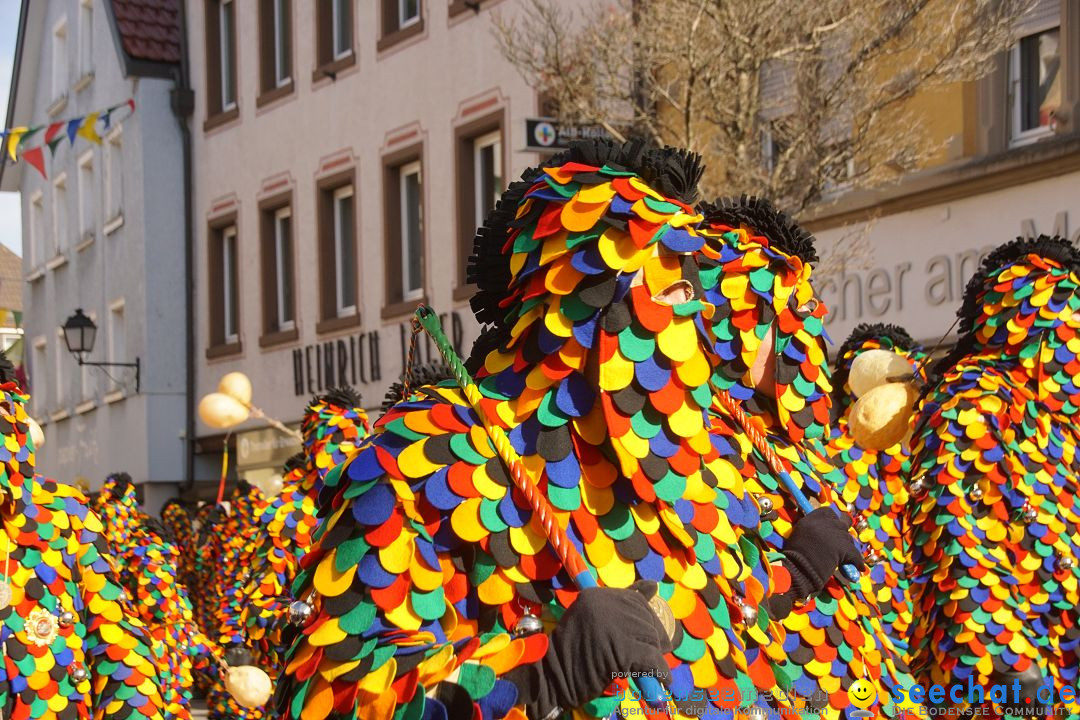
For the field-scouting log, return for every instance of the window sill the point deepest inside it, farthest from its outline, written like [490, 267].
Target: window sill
[113, 225]
[457, 7]
[35, 276]
[219, 351]
[84, 82]
[464, 291]
[1028, 137]
[221, 118]
[332, 68]
[273, 94]
[396, 37]
[85, 407]
[339, 323]
[402, 307]
[114, 397]
[87, 241]
[58, 261]
[279, 337]
[57, 106]
[59, 415]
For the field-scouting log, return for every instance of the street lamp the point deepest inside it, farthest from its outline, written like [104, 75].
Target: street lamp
[79, 335]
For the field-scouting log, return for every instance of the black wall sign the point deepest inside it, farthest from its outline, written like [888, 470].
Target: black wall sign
[543, 134]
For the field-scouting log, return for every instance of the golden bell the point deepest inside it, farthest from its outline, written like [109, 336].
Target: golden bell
[222, 411]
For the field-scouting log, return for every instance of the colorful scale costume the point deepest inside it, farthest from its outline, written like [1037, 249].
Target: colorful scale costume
[230, 576]
[333, 427]
[876, 481]
[756, 271]
[177, 520]
[149, 561]
[995, 540]
[427, 558]
[69, 648]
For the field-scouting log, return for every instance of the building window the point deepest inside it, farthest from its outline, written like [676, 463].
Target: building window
[341, 22]
[279, 313]
[480, 179]
[59, 59]
[344, 252]
[86, 197]
[334, 31]
[1035, 84]
[114, 177]
[60, 214]
[400, 19]
[39, 369]
[224, 286]
[117, 339]
[86, 38]
[404, 234]
[412, 242]
[37, 228]
[275, 27]
[221, 56]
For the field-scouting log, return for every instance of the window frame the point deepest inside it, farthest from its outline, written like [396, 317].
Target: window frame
[396, 301]
[227, 61]
[284, 246]
[113, 177]
[409, 169]
[117, 355]
[60, 65]
[39, 399]
[275, 298]
[37, 227]
[336, 24]
[1015, 82]
[230, 285]
[394, 28]
[404, 22]
[60, 211]
[344, 192]
[87, 225]
[282, 35]
[86, 39]
[468, 202]
[328, 189]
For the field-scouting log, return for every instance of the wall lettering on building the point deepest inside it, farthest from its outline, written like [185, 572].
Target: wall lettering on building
[853, 293]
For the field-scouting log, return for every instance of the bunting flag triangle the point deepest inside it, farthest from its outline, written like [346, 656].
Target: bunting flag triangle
[89, 130]
[36, 157]
[73, 129]
[54, 135]
[14, 136]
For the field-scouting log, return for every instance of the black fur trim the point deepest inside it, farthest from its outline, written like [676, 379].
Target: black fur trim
[762, 218]
[295, 461]
[671, 171]
[425, 374]
[121, 482]
[343, 396]
[7, 368]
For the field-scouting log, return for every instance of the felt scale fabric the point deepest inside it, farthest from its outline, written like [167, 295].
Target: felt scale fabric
[333, 426]
[756, 270]
[148, 569]
[178, 521]
[70, 649]
[230, 576]
[596, 364]
[875, 485]
[995, 537]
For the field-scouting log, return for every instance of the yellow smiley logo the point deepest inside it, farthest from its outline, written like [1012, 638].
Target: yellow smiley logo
[861, 693]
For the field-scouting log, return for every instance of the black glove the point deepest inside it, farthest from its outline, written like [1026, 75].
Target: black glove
[818, 545]
[605, 632]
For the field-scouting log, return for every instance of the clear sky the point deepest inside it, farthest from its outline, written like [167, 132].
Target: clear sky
[10, 218]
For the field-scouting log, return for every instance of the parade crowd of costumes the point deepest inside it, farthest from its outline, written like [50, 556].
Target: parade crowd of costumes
[646, 467]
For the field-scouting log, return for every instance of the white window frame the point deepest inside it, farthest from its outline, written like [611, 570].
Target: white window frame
[406, 170]
[61, 219]
[1019, 137]
[346, 192]
[37, 227]
[404, 22]
[335, 24]
[59, 58]
[87, 225]
[113, 196]
[117, 355]
[282, 74]
[226, 54]
[38, 398]
[60, 350]
[229, 235]
[492, 140]
[280, 215]
[86, 38]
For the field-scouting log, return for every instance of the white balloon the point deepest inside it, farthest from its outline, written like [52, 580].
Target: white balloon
[882, 417]
[221, 411]
[250, 686]
[236, 385]
[37, 435]
[876, 367]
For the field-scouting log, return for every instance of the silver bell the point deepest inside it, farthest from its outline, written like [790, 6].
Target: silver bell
[1064, 562]
[299, 613]
[872, 558]
[67, 618]
[1030, 514]
[861, 524]
[749, 614]
[527, 625]
[976, 494]
[917, 486]
[78, 674]
[765, 504]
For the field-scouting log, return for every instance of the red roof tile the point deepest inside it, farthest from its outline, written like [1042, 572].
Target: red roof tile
[149, 29]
